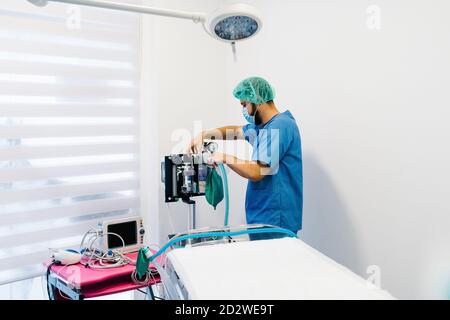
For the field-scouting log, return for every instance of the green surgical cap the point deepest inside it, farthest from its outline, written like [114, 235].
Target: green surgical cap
[256, 90]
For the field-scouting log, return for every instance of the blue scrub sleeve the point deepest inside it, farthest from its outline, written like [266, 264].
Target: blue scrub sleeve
[250, 133]
[269, 148]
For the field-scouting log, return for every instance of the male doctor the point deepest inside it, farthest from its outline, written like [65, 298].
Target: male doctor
[275, 180]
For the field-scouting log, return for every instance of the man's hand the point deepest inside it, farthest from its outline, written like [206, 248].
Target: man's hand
[219, 157]
[196, 144]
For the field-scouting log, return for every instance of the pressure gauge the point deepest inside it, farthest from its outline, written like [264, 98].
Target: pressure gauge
[176, 159]
[211, 147]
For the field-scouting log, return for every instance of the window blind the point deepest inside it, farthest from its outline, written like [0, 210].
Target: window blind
[69, 84]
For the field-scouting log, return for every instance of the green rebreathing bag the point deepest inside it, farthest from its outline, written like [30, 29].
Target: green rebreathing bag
[142, 263]
[214, 188]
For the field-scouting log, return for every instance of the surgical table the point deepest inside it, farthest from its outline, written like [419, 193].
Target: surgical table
[283, 268]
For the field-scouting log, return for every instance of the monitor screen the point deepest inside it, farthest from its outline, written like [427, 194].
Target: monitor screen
[128, 232]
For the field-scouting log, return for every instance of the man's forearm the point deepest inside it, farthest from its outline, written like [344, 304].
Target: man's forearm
[245, 168]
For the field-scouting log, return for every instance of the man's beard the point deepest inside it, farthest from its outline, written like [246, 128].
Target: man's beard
[258, 119]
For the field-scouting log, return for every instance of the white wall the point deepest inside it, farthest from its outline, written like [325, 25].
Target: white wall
[190, 79]
[372, 108]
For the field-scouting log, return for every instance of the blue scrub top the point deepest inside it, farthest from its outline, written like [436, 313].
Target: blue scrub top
[277, 199]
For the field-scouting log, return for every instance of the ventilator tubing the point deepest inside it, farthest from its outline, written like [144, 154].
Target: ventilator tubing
[225, 187]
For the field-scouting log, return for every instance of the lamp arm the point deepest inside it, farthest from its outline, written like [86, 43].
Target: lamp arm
[194, 16]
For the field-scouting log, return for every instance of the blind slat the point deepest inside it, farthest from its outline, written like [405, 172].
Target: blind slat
[30, 110]
[16, 246]
[87, 91]
[57, 13]
[75, 209]
[76, 39]
[16, 263]
[68, 60]
[60, 232]
[8, 175]
[67, 71]
[65, 131]
[25, 152]
[67, 191]
[60, 49]
[24, 271]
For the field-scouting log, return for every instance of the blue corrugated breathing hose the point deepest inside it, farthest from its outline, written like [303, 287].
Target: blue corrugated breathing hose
[221, 234]
[225, 187]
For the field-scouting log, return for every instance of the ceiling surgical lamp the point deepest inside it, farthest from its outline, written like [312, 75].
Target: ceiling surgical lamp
[231, 23]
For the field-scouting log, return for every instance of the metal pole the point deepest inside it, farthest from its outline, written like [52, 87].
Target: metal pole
[191, 222]
[194, 222]
[191, 218]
